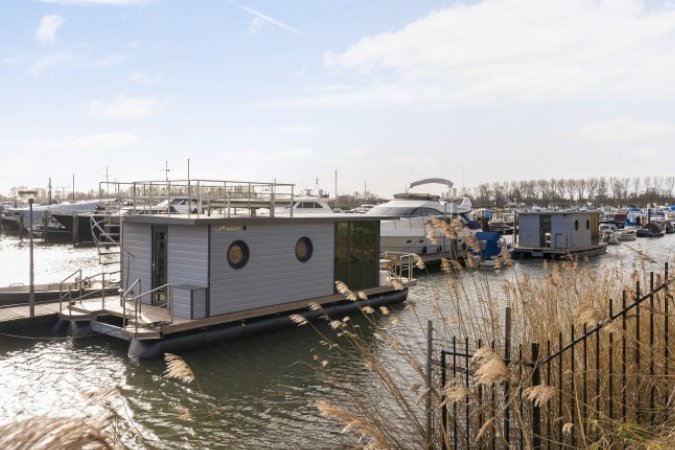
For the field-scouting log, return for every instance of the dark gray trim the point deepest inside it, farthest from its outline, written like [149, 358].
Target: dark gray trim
[245, 220]
[208, 277]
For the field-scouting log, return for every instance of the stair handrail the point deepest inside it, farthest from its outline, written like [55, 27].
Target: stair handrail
[70, 285]
[137, 303]
[81, 283]
[123, 298]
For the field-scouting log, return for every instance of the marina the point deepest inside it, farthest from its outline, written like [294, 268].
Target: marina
[439, 225]
[271, 370]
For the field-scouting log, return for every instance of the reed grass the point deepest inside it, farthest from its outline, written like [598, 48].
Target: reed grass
[566, 299]
[56, 433]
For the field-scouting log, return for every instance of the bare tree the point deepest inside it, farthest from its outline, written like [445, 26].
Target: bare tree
[571, 185]
[542, 190]
[484, 194]
[592, 184]
[669, 186]
[581, 188]
[602, 189]
[636, 188]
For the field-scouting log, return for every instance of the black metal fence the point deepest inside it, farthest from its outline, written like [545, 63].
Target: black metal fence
[602, 386]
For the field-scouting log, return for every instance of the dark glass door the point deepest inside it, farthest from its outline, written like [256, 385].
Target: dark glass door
[160, 242]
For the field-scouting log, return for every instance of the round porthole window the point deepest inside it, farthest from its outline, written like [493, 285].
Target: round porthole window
[303, 249]
[237, 254]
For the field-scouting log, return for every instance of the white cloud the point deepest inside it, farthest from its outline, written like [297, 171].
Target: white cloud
[646, 154]
[514, 51]
[126, 108]
[292, 155]
[46, 30]
[99, 2]
[260, 19]
[15, 60]
[620, 129]
[41, 64]
[108, 61]
[297, 130]
[142, 78]
[102, 141]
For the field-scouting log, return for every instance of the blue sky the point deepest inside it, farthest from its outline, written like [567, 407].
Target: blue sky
[382, 91]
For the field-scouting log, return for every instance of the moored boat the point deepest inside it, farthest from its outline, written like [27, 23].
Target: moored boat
[193, 280]
[407, 223]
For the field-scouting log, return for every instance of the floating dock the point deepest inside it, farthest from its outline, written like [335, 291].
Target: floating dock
[556, 253]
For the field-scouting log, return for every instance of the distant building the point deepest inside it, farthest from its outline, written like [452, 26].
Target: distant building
[558, 234]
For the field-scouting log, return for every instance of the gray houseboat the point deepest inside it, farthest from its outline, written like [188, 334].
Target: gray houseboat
[558, 234]
[191, 280]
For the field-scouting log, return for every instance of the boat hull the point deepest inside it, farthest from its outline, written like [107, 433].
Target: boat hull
[144, 349]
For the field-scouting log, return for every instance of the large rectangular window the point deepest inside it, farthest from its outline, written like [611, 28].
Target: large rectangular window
[357, 249]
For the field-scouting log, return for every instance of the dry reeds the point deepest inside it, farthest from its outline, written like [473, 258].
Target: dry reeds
[55, 433]
[557, 306]
[178, 369]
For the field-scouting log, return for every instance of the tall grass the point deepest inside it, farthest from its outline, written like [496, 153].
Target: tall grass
[391, 410]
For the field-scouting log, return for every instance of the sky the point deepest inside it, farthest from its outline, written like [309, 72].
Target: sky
[381, 92]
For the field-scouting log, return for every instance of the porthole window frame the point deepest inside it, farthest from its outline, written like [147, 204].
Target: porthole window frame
[309, 247]
[244, 251]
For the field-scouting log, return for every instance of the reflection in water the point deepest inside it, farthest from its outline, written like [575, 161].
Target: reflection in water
[255, 392]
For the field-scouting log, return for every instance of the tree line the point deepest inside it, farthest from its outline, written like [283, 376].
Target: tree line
[561, 192]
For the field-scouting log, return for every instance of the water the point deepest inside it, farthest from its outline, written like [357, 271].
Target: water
[258, 392]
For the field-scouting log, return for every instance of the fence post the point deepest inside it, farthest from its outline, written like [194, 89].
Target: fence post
[536, 410]
[444, 408]
[430, 331]
[507, 387]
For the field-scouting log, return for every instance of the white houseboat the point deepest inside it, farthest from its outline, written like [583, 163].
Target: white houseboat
[558, 234]
[189, 280]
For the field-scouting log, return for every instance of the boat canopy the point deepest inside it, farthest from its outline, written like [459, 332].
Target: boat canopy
[448, 183]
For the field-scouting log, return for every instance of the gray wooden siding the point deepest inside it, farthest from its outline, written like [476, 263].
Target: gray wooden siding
[182, 302]
[189, 302]
[528, 230]
[564, 224]
[188, 255]
[272, 275]
[137, 255]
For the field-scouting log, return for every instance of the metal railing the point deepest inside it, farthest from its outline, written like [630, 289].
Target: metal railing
[123, 298]
[401, 264]
[168, 287]
[79, 284]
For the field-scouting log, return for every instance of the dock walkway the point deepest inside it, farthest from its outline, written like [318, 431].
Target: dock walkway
[19, 315]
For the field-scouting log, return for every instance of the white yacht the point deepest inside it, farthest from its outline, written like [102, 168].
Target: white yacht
[13, 217]
[411, 214]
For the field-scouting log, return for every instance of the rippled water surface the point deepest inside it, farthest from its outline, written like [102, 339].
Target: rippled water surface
[253, 393]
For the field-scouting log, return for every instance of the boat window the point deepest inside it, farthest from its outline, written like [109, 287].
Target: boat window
[237, 254]
[303, 249]
[588, 224]
[576, 225]
[392, 211]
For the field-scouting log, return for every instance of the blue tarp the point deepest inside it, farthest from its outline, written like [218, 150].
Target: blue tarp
[489, 243]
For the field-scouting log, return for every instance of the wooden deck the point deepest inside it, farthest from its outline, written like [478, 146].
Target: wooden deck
[18, 316]
[155, 322]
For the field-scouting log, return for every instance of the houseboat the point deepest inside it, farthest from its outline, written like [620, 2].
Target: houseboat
[558, 234]
[190, 280]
